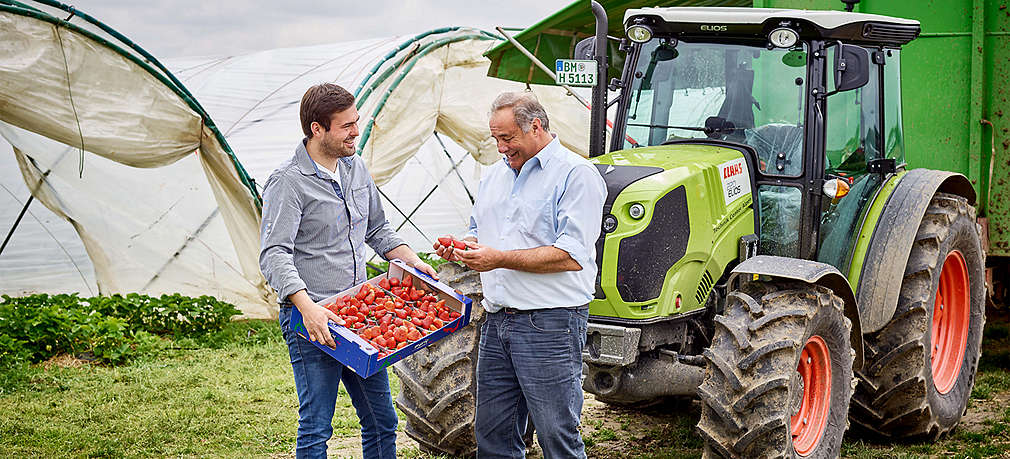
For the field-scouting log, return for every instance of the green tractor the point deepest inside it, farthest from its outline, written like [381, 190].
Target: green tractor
[757, 183]
[764, 246]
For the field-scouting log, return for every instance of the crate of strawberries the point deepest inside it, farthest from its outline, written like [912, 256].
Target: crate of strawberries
[389, 317]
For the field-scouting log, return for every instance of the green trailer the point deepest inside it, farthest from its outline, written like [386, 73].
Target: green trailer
[802, 205]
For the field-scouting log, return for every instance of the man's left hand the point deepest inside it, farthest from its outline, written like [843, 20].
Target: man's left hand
[425, 268]
[479, 257]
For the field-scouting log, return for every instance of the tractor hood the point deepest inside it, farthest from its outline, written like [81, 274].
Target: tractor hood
[671, 212]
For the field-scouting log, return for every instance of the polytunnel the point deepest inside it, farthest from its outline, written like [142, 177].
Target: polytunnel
[150, 173]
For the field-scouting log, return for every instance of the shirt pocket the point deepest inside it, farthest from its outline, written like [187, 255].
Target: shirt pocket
[536, 221]
[360, 204]
[360, 201]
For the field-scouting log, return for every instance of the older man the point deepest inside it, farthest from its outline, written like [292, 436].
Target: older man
[532, 235]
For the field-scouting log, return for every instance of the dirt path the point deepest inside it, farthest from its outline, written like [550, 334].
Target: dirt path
[665, 430]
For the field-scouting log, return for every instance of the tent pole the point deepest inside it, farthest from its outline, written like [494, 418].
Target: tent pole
[455, 167]
[17, 222]
[425, 198]
[31, 197]
[383, 194]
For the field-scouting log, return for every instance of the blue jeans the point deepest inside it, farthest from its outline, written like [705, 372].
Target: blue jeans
[531, 364]
[316, 379]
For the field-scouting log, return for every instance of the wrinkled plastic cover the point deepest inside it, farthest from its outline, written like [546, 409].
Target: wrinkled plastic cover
[159, 207]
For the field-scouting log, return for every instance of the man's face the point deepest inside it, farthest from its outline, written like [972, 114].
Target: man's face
[517, 146]
[339, 140]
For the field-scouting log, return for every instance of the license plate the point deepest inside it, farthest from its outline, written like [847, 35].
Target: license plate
[574, 72]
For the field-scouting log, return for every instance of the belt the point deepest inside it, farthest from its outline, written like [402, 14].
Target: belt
[510, 310]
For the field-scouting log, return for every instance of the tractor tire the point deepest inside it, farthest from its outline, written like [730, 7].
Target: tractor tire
[779, 374]
[438, 384]
[919, 368]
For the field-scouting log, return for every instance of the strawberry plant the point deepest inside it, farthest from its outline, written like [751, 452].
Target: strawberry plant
[112, 329]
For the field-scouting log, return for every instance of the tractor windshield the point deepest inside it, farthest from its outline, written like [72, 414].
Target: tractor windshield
[735, 92]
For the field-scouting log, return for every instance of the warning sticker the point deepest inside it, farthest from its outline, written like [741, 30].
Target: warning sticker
[735, 179]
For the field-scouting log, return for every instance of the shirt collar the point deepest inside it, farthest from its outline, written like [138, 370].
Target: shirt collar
[550, 151]
[307, 165]
[543, 156]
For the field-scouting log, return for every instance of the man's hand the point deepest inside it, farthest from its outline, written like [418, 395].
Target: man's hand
[408, 256]
[425, 268]
[445, 251]
[315, 318]
[479, 257]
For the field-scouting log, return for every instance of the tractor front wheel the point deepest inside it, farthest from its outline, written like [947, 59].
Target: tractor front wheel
[779, 374]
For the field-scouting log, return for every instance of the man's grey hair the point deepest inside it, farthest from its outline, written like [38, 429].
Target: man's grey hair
[525, 107]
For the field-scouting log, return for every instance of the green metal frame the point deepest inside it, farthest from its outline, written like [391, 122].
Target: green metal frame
[413, 59]
[567, 25]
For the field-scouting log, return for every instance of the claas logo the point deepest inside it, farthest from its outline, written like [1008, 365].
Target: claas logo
[730, 171]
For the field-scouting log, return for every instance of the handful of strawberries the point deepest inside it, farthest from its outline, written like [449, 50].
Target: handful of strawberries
[452, 242]
[393, 314]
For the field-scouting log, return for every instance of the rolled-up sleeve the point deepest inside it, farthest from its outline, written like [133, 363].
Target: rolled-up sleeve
[579, 212]
[379, 234]
[471, 230]
[278, 228]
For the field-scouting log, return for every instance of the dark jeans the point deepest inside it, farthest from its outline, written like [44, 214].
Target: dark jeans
[531, 363]
[316, 379]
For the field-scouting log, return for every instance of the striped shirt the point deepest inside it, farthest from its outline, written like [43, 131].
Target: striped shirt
[313, 230]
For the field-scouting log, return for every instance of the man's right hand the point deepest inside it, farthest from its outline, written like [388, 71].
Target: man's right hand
[315, 318]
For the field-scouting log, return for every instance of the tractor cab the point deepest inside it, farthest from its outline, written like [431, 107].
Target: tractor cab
[814, 94]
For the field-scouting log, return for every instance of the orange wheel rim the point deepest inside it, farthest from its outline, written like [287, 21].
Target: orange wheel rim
[808, 424]
[950, 322]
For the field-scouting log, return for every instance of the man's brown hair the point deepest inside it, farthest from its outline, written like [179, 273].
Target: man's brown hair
[320, 102]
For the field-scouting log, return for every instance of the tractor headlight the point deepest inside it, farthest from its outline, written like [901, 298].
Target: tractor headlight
[609, 223]
[639, 33]
[783, 37]
[637, 211]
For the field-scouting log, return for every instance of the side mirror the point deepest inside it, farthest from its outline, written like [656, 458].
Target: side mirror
[852, 68]
[585, 49]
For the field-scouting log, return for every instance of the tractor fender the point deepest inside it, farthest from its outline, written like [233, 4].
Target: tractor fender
[811, 272]
[893, 236]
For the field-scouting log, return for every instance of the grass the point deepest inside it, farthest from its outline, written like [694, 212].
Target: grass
[237, 399]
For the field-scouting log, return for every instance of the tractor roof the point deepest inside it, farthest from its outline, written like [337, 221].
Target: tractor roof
[749, 22]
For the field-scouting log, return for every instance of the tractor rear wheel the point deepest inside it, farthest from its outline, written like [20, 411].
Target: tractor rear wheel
[779, 373]
[920, 367]
[438, 383]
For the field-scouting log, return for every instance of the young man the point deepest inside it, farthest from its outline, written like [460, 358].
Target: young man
[537, 217]
[319, 209]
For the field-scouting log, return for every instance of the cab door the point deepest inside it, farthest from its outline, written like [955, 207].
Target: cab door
[863, 146]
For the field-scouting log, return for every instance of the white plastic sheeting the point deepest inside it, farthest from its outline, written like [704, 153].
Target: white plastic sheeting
[159, 207]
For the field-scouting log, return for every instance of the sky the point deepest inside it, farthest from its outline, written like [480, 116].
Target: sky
[178, 28]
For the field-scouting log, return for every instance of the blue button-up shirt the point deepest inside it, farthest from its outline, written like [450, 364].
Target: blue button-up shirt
[312, 236]
[556, 199]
